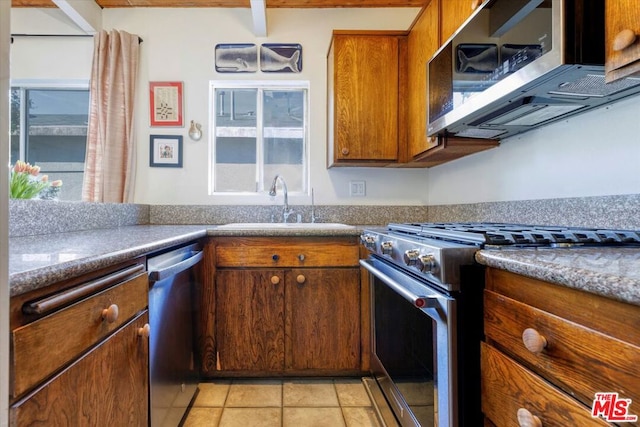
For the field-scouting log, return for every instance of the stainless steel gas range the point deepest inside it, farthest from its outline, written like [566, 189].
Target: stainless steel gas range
[426, 295]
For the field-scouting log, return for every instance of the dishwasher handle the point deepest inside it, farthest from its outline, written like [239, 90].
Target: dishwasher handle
[173, 269]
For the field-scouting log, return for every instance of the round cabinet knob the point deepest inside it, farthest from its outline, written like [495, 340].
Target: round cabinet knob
[345, 151]
[275, 280]
[527, 419]
[301, 257]
[301, 279]
[275, 257]
[144, 331]
[475, 4]
[532, 339]
[623, 40]
[110, 314]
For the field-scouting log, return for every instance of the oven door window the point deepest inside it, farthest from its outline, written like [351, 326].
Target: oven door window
[405, 345]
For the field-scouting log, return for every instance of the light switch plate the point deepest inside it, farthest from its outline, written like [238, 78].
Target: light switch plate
[357, 188]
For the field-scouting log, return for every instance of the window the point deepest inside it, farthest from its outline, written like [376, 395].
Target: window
[49, 128]
[260, 130]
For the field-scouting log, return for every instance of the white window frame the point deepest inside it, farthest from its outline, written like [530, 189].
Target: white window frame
[260, 85]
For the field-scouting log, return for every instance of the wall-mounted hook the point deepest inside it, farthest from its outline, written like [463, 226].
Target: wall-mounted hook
[195, 131]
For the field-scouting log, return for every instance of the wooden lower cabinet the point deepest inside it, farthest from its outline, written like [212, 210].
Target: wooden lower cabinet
[322, 319]
[287, 321]
[106, 386]
[549, 349]
[250, 320]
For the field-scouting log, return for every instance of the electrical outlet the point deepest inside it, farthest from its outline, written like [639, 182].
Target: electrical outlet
[357, 188]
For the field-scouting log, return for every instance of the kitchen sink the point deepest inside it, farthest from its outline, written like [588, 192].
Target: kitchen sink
[287, 225]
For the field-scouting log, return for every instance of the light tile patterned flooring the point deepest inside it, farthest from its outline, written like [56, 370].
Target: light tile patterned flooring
[332, 402]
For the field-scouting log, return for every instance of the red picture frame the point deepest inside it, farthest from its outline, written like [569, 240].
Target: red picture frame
[165, 104]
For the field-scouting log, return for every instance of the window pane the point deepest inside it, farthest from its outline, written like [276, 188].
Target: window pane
[235, 168]
[284, 108]
[284, 137]
[236, 107]
[55, 137]
[15, 125]
[235, 143]
[259, 132]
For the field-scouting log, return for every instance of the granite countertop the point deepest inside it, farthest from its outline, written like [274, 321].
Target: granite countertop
[607, 271]
[38, 261]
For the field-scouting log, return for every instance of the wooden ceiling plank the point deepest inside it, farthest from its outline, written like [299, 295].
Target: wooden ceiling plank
[235, 3]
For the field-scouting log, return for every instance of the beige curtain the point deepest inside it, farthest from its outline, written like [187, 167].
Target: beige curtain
[109, 173]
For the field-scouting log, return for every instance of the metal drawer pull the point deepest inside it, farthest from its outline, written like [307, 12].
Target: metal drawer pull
[527, 419]
[61, 299]
[534, 342]
[110, 314]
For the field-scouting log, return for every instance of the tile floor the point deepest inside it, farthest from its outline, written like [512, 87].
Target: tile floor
[332, 402]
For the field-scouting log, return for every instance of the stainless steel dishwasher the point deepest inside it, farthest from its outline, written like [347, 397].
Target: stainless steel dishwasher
[173, 365]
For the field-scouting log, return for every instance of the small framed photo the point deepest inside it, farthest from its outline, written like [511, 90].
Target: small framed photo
[165, 151]
[165, 104]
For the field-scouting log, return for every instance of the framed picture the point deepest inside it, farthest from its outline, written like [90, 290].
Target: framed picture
[236, 58]
[165, 104]
[280, 58]
[165, 151]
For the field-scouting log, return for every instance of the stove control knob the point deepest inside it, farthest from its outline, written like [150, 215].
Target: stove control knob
[369, 241]
[411, 257]
[427, 264]
[387, 248]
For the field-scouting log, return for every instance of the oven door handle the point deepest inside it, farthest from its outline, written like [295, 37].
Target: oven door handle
[420, 301]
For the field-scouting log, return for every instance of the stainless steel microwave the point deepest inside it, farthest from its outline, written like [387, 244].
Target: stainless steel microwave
[515, 65]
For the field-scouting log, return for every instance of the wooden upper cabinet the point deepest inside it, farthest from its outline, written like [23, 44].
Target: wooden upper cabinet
[363, 98]
[622, 34]
[453, 13]
[422, 44]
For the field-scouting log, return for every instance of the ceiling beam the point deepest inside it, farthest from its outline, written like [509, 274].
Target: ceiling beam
[86, 14]
[259, 13]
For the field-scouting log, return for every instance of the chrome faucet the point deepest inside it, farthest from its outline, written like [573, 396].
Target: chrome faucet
[272, 192]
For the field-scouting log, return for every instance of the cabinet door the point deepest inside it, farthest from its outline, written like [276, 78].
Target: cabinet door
[365, 97]
[453, 14]
[423, 43]
[107, 386]
[323, 319]
[250, 320]
[622, 35]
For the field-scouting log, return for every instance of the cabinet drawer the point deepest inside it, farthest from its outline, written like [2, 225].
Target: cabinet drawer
[287, 252]
[622, 18]
[507, 387]
[45, 345]
[105, 387]
[579, 360]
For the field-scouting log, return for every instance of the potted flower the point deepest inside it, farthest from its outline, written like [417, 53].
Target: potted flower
[25, 183]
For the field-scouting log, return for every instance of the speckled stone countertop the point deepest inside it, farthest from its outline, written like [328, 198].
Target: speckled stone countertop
[38, 261]
[610, 272]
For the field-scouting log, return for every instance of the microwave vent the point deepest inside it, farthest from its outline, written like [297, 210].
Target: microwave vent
[595, 86]
[480, 133]
[527, 111]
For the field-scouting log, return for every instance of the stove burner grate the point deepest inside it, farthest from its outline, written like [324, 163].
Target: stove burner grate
[503, 234]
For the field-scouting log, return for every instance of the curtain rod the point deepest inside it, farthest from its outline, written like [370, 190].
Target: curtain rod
[58, 35]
